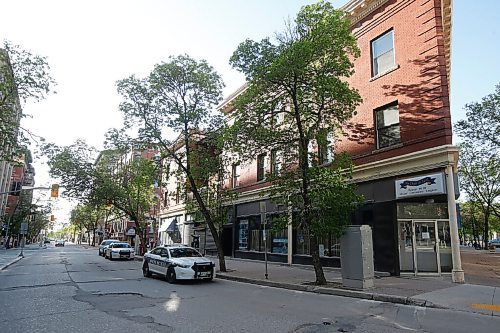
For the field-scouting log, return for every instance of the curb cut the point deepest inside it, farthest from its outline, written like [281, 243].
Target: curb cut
[335, 292]
[10, 263]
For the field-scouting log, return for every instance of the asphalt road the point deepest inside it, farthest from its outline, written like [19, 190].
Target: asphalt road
[72, 289]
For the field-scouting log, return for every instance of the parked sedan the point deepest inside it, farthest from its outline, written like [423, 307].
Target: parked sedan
[495, 242]
[177, 263]
[59, 243]
[104, 245]
[119, 251]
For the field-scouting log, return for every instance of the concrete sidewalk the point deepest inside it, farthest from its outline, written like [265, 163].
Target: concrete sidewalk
[429, 291]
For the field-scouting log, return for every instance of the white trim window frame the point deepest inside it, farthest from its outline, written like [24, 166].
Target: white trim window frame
[383, 55]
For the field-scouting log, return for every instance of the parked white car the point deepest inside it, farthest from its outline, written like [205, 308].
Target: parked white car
[177, 263]
[119, 251]
[104, 245]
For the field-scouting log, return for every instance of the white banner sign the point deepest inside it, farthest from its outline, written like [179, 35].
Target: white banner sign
[420, 186]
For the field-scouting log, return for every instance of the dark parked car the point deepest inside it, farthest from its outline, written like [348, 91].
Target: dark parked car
[59, 243]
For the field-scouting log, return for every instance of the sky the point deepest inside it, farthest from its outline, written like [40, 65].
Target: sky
[91, 44]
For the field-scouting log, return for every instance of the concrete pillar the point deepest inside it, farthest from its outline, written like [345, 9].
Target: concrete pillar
[457, 274]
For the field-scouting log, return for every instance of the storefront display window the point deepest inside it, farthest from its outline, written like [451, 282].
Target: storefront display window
[329, 246]
[279, 242]
[243, 235]
[302, 242]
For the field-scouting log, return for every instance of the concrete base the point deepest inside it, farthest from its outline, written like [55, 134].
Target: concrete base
[457, 276]
[358, 284]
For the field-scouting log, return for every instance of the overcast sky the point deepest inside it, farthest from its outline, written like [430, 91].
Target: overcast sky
[93, 43]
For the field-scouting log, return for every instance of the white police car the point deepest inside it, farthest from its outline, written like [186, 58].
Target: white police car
[177, 262]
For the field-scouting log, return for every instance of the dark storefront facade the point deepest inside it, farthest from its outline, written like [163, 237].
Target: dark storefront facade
[408, 214]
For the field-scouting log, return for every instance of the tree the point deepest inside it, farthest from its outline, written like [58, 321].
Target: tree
[176, 100]
[128, 187]
[479, 164]
[482, 124]
[23, 77]
[480, 179]
[296, 99]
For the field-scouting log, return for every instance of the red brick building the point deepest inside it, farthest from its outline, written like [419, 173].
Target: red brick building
[400, 141]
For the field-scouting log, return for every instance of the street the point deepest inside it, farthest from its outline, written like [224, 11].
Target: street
[72, 289]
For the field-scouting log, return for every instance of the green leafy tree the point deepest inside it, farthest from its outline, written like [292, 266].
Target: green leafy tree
[23, 76]
[128, 187]
[175, 100]
[296, 98]
[479, 163]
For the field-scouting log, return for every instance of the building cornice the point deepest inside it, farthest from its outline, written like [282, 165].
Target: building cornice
[428, 159]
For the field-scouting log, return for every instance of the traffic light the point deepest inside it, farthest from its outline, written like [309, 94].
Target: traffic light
[54, 191]
[52, 218]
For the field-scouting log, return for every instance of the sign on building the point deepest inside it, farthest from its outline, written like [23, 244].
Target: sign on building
[420, 186]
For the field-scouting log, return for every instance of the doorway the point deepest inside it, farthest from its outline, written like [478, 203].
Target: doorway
[418, 246]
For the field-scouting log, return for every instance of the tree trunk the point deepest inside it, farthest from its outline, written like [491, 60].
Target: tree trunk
[486, 228]
[318, 267]
[93, 237]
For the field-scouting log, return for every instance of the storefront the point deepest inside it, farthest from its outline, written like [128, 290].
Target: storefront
[409, 217]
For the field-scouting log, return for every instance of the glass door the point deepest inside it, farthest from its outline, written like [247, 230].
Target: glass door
[426, 251]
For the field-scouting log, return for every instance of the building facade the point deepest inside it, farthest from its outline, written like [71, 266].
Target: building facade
[400, 141]
[405, 162]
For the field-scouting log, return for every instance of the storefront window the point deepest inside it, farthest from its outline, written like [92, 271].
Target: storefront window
[444, 235]
[302, 242]
[279, 242]
[329, 246]
[243, 235]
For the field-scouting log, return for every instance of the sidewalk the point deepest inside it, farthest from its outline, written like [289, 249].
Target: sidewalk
[9, 257]
[429, 291]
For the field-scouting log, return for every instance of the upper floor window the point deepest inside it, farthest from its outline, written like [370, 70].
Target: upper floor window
[235, 175]
[275, 162]
[326, 150]
[383, 53]
[387, 120]
[261, 167]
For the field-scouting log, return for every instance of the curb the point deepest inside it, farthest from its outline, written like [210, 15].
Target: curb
[10, 263]
[335, 291]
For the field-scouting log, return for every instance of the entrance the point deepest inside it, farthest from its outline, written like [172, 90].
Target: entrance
[418, 246]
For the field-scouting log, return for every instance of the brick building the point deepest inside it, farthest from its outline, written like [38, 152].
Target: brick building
[400, 141]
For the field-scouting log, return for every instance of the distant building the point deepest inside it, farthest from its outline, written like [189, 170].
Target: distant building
[10, 115]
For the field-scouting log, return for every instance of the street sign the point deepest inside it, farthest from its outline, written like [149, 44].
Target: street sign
[24, 228]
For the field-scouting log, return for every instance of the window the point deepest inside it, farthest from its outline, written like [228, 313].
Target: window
[243, 235]
[387, 120]
[261, 167]
[325, 150]
[235, 175]
[275, 162]
[383, 53]
[178, 194]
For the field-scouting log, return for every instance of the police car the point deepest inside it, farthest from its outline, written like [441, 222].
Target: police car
[177, 262]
